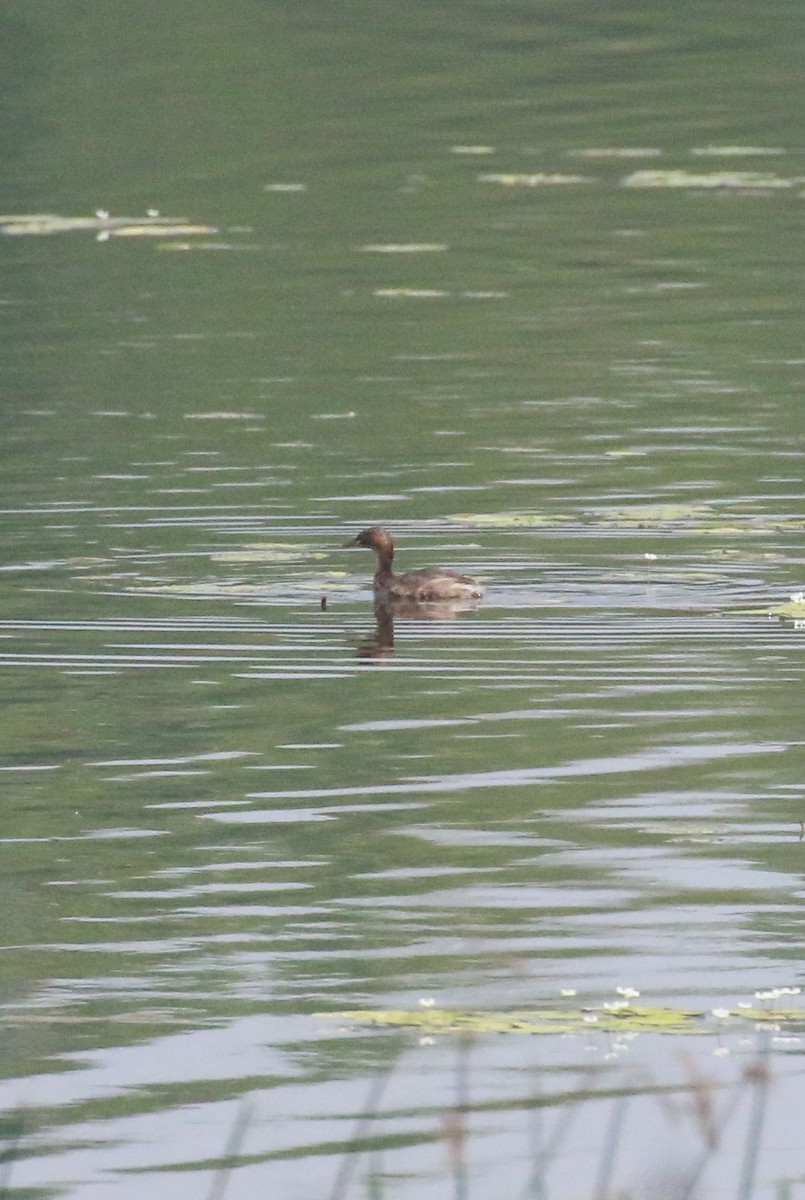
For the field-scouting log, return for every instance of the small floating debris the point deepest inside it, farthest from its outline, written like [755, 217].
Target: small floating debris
[739, 180]
[541, 179]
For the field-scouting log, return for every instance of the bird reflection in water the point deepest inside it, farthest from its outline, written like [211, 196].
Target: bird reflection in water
[381, 643]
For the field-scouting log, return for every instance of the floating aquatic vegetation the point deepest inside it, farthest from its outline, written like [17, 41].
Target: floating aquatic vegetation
[436, 293]
[168, 229]
[268, 552]
[620, 1016]
[739, 555]
[177, 247]
[506, 520]
[403, 247]
[222, 589]
[632, 516]
[224, 416]
[101, 224]
[411, 293]
[638, 515]
[737, 151]
[694, 518]
[740, 180]
[793, 610]
[540, 179]
[615, 152]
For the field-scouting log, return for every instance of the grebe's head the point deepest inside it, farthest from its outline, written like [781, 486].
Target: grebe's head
[373, 538]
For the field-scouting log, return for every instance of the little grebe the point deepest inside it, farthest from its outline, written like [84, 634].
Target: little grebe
[426, 585]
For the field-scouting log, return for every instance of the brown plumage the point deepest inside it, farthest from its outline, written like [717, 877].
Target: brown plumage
[425, 585]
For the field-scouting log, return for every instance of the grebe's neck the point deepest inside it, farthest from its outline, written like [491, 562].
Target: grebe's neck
[385, 557]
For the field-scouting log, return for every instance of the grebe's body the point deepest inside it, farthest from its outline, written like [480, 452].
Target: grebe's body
[428, 585]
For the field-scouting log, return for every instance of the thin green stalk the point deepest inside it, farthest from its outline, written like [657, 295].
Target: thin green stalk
[350, 1159]
[760, 1079]
[609, 1153]
[220, 1180]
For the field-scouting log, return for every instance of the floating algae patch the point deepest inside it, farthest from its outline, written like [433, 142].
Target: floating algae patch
[403, 247]
[540, 179]
[694, 518]
[792, 610]
[730, 180]
[267, 552]
[509, 520]
[642, 515]
[223, 589]
[736, 554]
[737, 151]
[101, 224]
[618, 1017]
[636, 516]
[615, 152]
